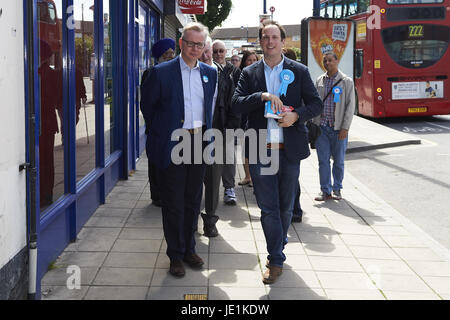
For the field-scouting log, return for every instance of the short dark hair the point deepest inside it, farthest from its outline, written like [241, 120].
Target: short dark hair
[331, 53]
[269, 22]
[290, 54]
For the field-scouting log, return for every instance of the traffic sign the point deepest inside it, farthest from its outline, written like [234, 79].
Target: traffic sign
[272, 9]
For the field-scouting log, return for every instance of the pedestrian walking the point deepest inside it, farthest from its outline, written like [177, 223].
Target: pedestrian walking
[163, 50]
[282, 82]
[178, 95]
[229, 170]
[338, 93]
[223, 119]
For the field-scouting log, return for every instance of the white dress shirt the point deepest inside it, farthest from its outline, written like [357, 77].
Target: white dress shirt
[273, 83]
[194, 113]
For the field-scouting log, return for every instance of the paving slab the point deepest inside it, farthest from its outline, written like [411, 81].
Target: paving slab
[357, 248]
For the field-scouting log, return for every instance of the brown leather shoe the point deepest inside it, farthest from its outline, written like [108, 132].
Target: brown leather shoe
[271, 275]
[194, 261]
[176, 268]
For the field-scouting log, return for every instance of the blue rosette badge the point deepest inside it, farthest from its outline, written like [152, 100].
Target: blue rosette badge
[337, 91]
[287, 77]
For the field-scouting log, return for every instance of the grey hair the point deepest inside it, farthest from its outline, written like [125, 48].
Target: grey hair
[196, 26]
[208, 41]
[218, 41]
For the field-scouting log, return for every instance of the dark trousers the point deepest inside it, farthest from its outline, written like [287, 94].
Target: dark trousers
[155, 192]
[275, 195]
[181, 194]
[297, 208]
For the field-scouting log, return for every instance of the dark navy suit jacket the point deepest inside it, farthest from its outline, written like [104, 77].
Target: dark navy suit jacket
[162, 105]
[301, 95]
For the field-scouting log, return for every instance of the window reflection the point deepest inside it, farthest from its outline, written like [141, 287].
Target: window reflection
[110, 128]
[51, 152]
[143, 49]
[85, 86]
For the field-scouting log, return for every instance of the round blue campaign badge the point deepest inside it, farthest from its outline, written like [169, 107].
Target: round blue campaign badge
[337, 91]
[205, 79]
[287, 77]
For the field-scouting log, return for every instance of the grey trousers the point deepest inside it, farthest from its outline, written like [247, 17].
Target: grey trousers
[229, 171]
[212, 184]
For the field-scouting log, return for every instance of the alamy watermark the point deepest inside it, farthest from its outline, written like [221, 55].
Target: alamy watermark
[220, 149]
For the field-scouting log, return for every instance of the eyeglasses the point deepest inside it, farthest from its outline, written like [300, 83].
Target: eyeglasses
[219, 51]
[190, 44]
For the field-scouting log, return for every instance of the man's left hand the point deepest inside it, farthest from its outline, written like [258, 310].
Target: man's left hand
[343, 134]
[287, 119]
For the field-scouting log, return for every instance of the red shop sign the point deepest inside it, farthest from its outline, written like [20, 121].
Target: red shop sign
[192, 6]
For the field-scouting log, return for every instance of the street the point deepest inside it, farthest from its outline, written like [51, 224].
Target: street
[415, 179]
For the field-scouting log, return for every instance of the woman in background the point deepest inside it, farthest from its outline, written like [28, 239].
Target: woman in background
[247, 59]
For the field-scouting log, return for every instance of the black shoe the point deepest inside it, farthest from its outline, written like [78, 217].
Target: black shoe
[194, 261]
[176, 268]
[209, 225]
[210, 231]
[296, 218]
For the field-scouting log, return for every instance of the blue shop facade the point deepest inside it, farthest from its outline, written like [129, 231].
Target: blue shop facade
[82, 79]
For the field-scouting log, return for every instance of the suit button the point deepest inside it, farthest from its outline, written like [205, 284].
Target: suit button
[182, 121]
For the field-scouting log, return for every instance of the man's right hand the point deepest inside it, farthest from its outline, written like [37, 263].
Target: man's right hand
[276, 103]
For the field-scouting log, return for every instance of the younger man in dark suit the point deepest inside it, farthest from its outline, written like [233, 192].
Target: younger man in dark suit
[286, 140]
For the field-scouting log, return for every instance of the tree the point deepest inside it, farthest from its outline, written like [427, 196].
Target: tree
[217, 12]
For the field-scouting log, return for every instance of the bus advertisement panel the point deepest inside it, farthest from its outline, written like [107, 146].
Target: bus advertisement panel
[401, 55]
[320, 36]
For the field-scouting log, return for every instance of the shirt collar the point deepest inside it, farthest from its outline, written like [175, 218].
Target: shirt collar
[266, 66]
[333, 77]
[184, 65]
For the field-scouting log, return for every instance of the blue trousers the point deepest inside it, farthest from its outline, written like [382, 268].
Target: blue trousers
[329, 146]
[275, 195]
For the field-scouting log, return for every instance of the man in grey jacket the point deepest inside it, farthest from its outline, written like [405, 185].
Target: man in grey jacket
[338, 92]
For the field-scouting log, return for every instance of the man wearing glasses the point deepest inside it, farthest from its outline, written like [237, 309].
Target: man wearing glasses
[229, 170]
[176, 95]
[235, 61]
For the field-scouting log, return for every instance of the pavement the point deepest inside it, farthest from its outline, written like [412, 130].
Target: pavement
[359, 248]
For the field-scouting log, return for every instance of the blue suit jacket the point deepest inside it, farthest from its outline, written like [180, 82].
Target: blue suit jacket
[162, 105]
[301, 95]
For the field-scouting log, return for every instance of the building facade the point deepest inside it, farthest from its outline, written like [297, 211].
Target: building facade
[234, 38]
[70, 121]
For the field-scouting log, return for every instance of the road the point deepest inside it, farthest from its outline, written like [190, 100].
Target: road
[415, 180]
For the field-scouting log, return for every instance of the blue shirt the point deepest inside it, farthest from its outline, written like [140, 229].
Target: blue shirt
[194, 113]
[273, 83]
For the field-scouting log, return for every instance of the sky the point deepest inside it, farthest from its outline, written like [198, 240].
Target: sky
[246, 12]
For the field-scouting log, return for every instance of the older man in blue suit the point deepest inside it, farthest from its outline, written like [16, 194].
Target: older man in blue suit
[178, 95]
[286, 138]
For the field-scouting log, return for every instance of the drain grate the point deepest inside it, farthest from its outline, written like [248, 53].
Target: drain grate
[195, 297]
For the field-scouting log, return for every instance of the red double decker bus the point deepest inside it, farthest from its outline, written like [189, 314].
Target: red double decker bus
[402, 60]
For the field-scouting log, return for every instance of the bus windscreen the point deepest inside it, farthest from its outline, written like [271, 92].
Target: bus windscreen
[413, 1]
[417, 45]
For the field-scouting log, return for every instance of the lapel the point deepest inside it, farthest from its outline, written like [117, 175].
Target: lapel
[207, 104]
[261, 77]
[288, 65]
[178, 79]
